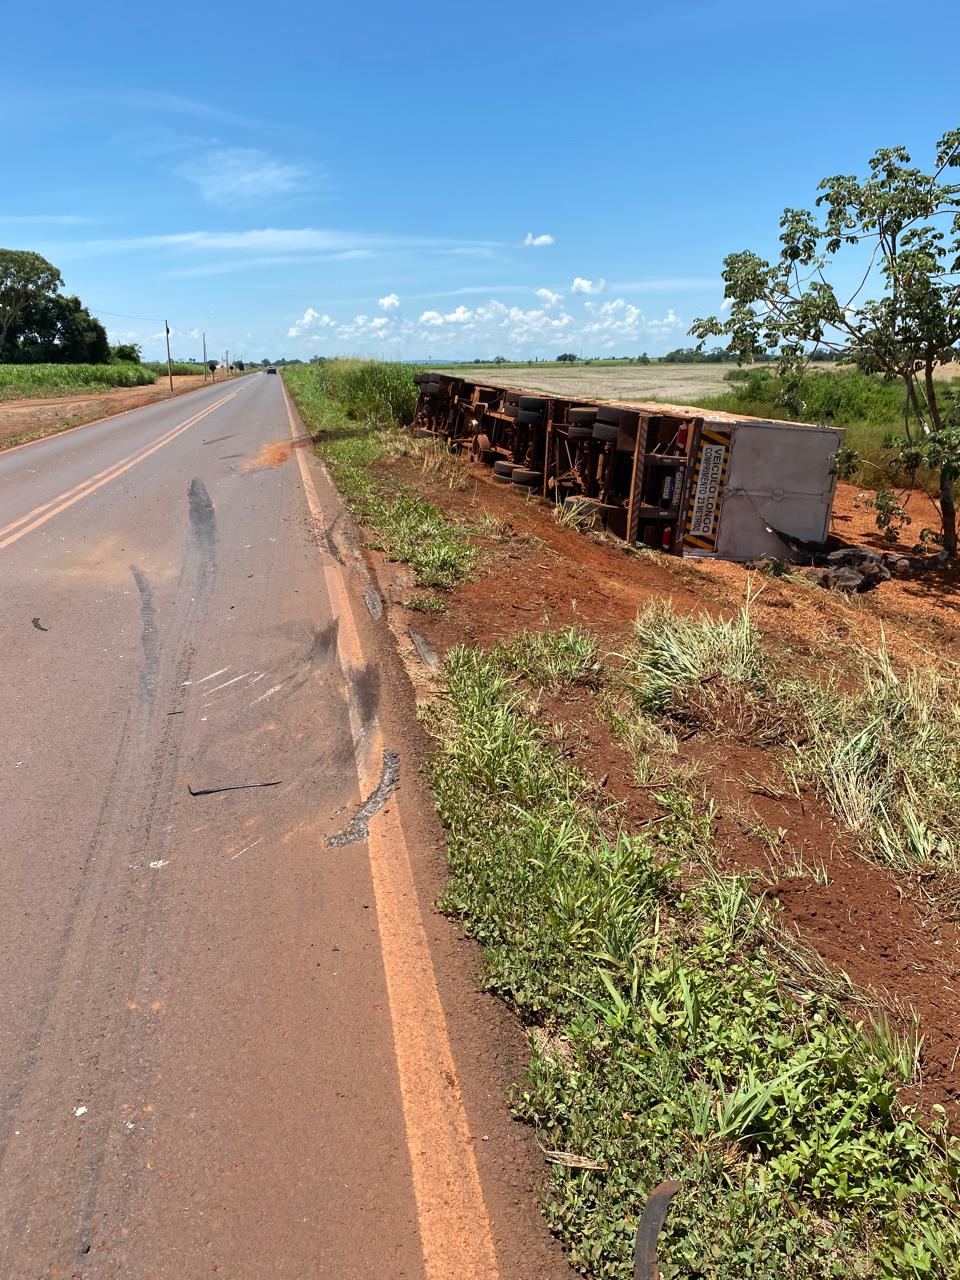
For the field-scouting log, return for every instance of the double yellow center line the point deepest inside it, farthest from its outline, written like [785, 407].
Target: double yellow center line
[47, 510]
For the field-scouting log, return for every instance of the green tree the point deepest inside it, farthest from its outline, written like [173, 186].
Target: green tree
[25, 279]
[898, 232]
[128, 352]
[57, 329]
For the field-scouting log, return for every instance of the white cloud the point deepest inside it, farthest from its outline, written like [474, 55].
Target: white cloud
[612, 325]
[310, 323]
[389, 303]
[580, 285]
[537, 242]
[617, 321]
[259, 240]
[241, 176]
[726, 304]
[54, 219]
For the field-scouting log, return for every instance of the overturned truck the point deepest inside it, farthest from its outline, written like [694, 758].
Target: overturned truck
[688, 481]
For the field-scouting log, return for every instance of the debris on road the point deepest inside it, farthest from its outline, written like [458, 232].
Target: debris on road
[425, 650]
[237, 786]
[36, 623]
[358, 827]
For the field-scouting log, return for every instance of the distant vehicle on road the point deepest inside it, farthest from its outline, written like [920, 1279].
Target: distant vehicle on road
[271, 369]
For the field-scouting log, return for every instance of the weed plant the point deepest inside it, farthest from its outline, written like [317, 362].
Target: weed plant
[885, 756]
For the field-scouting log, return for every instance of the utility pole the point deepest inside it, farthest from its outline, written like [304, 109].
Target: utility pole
[169, 365]
[204, 358]
[228, 364]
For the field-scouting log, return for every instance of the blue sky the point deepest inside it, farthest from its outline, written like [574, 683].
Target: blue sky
[437, 181]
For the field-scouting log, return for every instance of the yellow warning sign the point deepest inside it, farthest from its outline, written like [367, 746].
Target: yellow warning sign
[706, 490]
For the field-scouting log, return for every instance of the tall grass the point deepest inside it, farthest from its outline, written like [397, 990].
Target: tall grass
[667, 1043]
[884, 755]
[18, 381]
[377, 389]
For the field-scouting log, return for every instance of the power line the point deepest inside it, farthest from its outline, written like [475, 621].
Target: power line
[119, 315]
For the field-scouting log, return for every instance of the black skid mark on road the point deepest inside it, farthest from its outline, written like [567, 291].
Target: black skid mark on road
[217, 439]
[203, 530]
[365, 692]
[203, 518]
[325, 643]
[149, 635]
[358, 828]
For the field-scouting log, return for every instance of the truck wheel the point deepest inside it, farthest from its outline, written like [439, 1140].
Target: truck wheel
[605, 431]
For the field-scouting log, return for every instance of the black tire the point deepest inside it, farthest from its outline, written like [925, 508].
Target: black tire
[580, 433]
[532, 416]
[499, 479]
[531, 402]
[582, 417]
[605, 431]
[608, 414]
[504, 468]
[432, 388]
[522, 476]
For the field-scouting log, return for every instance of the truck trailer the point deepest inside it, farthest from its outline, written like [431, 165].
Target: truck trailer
[687, 481]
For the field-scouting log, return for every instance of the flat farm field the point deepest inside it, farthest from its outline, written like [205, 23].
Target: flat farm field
[669, 383]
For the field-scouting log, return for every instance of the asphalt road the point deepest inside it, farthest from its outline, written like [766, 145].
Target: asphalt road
[220, 1045]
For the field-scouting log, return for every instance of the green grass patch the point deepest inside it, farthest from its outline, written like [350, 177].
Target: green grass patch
[24, 381]
[552, 659]
[355, 413]
[424, 602]
[670, 1038]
